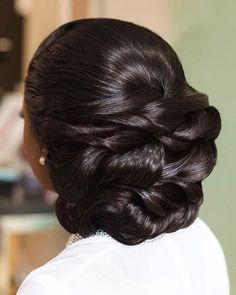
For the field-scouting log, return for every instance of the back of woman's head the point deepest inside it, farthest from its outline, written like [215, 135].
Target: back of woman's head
[129, 140]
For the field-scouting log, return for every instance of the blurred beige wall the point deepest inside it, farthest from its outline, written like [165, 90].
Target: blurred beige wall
[40, 18]
[153, 14]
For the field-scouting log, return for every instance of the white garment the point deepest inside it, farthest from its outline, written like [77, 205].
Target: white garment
[189, 261]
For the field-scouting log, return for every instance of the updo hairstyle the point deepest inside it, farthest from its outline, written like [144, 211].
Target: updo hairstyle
[129, 140]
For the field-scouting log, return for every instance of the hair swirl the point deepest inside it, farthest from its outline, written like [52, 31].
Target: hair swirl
[129, 140]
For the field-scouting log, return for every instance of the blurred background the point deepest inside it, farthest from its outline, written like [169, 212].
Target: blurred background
[203, 35]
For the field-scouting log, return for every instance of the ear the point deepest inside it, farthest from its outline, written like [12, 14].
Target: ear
[42, 148]
[44, 151]
[42, 171]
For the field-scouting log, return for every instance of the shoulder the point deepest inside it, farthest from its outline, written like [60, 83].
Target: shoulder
[201, 232]
[46, 279]
[40, 286]
[198, 241]
[215, 257]
[196, 244]
[206, 233]
[54, 276]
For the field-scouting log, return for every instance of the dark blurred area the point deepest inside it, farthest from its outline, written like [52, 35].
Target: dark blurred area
[11, 36]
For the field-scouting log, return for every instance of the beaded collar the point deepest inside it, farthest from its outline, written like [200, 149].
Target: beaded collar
[100, 233]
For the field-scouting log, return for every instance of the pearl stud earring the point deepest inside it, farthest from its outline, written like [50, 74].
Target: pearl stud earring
[42, 160]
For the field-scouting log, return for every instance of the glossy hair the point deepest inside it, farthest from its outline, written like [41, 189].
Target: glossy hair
[129, 140]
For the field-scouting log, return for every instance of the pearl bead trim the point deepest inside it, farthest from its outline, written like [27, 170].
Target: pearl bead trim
[76, 237]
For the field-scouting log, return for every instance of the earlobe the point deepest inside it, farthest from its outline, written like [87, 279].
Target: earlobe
[44, 153]
[42, 160]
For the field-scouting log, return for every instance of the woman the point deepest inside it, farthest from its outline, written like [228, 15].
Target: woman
[112, 126]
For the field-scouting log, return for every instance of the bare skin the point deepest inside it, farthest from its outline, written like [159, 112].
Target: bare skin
[33, 151]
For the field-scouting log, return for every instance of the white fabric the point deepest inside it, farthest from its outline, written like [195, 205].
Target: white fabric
[189, 261]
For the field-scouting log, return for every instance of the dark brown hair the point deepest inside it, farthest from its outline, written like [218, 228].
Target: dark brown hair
[129, 140]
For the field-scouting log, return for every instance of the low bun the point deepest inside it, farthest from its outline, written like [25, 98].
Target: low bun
[129, 140]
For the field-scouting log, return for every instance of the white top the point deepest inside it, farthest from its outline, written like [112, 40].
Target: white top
[189, 261]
